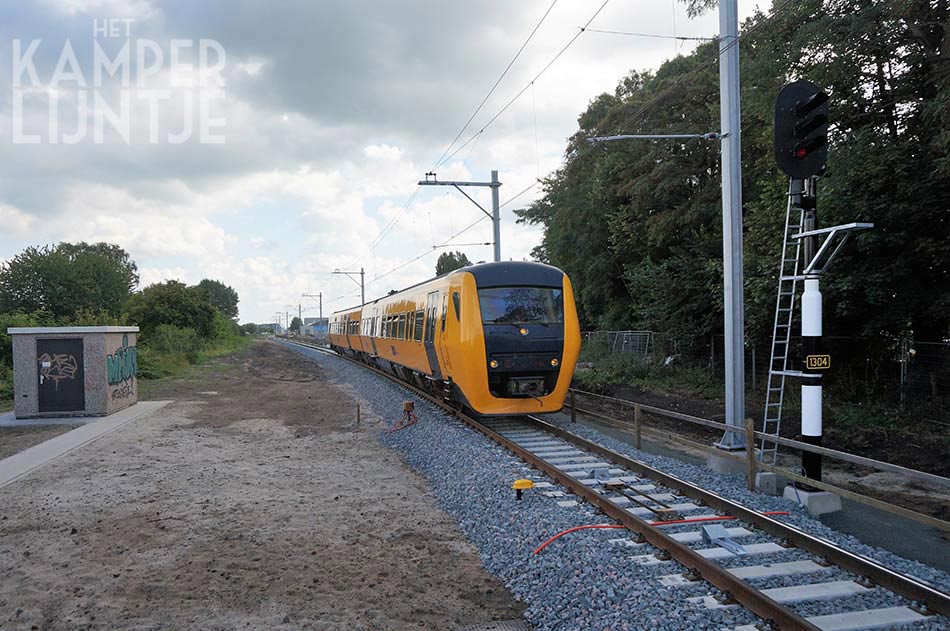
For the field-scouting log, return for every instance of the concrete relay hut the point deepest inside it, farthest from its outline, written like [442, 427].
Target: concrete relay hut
[74, 371]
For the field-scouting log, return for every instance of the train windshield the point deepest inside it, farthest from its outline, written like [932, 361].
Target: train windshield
[521, 305]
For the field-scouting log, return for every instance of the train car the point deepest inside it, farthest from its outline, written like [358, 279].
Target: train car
[496, 338]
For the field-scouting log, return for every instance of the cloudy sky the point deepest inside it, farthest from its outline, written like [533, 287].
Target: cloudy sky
[266, 144]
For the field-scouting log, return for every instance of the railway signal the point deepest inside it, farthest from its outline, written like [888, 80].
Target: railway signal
[801, 151]
[801, 129]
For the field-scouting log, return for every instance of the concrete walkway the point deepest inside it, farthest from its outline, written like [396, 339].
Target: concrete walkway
[7, 419]
[21, 464]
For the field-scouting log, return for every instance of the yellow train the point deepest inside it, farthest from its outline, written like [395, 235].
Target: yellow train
[496, 338]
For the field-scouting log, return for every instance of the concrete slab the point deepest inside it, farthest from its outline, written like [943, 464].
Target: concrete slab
[578, 459]
[854, 620]
[777, 569]
[642, 511]
[815, 502]
[796, 594]
[766, 482]
[28, 460]
[716, 553]
[9, 419]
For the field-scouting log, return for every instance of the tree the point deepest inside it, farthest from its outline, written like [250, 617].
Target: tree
[296, 324]
[249, 329]
[450, 261]
[173, 303]
[68, 281]
[220, 296]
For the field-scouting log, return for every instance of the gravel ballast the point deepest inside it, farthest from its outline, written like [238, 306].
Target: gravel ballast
[585, 580]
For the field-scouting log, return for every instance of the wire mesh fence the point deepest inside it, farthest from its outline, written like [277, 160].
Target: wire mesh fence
[636, 343]
[896, 371]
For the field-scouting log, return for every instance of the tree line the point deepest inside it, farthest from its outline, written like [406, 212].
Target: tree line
[77, 284]
[637, 224]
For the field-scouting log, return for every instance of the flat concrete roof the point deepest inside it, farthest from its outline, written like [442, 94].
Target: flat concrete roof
[55, 330]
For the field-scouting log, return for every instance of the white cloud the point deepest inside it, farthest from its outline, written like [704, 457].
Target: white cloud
[151, 275]
[382, 152]
[333, 114]
[15, 221]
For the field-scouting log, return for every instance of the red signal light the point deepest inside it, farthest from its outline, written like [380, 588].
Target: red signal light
[801, 152]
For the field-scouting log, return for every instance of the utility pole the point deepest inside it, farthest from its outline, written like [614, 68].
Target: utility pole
[731, 165]
[319, 298]
[361, 283]
[494, 215]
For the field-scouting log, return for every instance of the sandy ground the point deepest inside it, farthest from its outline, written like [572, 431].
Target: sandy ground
[16, 439]
[253, 501]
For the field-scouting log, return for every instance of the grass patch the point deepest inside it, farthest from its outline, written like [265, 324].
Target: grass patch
[159, 368]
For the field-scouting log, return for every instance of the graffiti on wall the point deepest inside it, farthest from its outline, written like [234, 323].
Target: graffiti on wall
[121, 368]
[57, 367]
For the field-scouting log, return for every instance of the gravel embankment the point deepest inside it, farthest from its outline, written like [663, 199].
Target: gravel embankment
[585, 580]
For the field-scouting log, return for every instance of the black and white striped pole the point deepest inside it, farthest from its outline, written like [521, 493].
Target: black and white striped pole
[811, 382]
[811, 337]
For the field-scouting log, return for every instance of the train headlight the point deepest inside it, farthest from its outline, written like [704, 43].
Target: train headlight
[493, 363]
[555, 362]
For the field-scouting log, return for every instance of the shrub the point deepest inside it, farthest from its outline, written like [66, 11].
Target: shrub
[6, 383]
[168, 338]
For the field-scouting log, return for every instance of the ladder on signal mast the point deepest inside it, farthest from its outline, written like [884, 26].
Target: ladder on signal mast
[784, 316]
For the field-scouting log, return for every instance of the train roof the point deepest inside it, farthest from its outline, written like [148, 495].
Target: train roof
[497, 274]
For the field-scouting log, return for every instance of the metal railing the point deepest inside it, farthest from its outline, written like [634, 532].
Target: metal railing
[752, 463]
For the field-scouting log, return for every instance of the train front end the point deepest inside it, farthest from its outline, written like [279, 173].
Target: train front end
[530, 335]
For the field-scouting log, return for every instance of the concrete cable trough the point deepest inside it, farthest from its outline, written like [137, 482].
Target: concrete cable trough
[788, 578]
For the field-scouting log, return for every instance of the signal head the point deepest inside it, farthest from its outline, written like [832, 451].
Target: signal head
[801, 129]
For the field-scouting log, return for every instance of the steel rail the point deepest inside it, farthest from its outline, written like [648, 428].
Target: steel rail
[679, 440]
[744, 594]
[906, 586]
[843, 456]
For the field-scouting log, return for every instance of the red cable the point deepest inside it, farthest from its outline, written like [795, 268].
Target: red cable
[652, 523]
[403, 423]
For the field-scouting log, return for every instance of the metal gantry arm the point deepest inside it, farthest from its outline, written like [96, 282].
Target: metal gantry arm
[713, 135]
[495, 215]
[732, 245]
[361, 282]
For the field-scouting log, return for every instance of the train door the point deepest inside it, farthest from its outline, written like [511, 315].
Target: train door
[442, 345]
[428, 335]
[372, 330]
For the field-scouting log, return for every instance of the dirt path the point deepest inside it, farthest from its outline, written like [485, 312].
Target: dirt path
[252, 502]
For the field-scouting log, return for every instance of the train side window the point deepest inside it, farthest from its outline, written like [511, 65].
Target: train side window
[402, 327]
[457, 303]
[409, 324]
[417, 330]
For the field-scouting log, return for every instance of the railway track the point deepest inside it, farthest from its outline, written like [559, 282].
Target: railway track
[667, 516]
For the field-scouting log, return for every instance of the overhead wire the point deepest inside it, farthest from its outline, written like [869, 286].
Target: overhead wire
[652, 35]
[431, 250]
[448, 156]
[497, 82]
[518, 95]
[518, 194]
[639, 112]
[388, 228]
